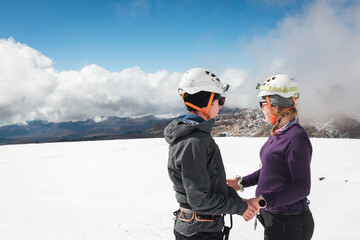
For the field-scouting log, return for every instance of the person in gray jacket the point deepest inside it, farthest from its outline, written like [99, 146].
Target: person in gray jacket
[195, 165]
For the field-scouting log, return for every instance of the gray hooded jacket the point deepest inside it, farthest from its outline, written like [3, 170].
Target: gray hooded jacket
[196, 169]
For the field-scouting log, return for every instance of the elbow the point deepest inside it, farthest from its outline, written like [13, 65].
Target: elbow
[301, 189]
[305, 189]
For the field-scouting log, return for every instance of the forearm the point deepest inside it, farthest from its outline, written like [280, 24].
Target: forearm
[292, 193]
[251, 179]
[219, 204]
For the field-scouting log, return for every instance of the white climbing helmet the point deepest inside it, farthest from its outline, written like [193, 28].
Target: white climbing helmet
[281, 84]
[201, 79]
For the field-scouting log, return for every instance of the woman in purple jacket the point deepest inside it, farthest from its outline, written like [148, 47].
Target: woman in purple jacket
[283, 180]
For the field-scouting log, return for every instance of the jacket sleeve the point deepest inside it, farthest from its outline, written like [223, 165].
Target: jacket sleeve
[251, 179]
[197, 182]
[298, 156]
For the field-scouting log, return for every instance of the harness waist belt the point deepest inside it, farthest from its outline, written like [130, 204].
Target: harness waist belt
[190, 211]
[185, 205]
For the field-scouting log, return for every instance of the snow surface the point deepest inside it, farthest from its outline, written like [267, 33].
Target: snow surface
[112, 190]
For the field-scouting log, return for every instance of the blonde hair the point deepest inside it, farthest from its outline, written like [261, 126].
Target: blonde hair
[291, 112]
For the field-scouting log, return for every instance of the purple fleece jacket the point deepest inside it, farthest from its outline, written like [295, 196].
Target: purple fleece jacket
[284, 178]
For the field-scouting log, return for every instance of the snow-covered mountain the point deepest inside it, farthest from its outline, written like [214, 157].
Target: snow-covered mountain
[242, 123]
[251, 123]
[110, 128]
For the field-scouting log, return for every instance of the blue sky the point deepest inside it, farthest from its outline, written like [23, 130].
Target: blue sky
[76, 60]
[151, 34]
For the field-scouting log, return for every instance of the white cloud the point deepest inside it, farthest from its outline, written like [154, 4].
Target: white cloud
[26, 79]
[239, 91]
[319, 47]
[94, 91]
[31, 89]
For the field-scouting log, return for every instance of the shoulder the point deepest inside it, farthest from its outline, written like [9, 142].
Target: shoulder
[298, 131]
[298, 137]
[196, 137]
[200, 138]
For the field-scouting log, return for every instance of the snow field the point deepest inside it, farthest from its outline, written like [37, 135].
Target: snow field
[112, 190]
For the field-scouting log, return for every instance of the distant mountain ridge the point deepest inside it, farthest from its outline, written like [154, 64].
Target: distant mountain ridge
[40, 131]
[232, 122]
[251, 123]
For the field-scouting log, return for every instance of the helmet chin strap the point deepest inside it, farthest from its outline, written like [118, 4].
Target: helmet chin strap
[275, 116]
[206, 112]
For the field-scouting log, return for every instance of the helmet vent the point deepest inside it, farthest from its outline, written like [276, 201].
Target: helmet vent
[212, 75]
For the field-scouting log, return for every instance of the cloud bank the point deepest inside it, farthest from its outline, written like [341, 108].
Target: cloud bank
[319, 47]
[30, 89]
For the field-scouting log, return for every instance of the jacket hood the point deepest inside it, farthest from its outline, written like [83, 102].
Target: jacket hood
[177, 129]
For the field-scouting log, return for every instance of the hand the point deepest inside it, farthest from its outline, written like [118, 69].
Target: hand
[233, 183]
[253, 208]
[254, 202]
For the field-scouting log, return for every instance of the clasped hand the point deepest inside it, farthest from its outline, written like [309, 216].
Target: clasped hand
[253, 208]
[253, 203]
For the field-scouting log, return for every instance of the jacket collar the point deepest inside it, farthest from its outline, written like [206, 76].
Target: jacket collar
[178, 128]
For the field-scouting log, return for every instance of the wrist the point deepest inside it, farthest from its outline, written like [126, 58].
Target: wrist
[262, 202]
[241, 187]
